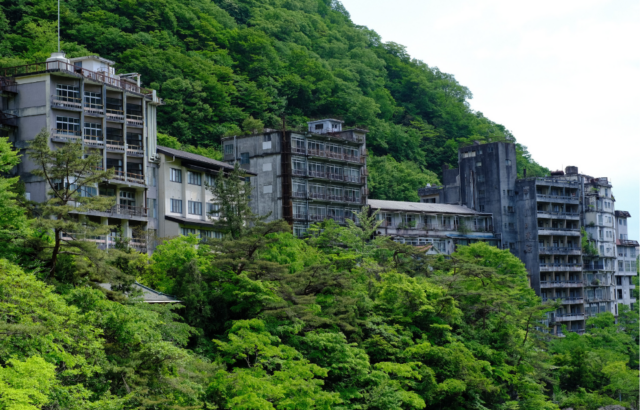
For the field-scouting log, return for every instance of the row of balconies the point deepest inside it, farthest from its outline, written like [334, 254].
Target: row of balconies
[354, 179]
[96, 142]
[560, 267]
[327, 197]
[435, 227]
[559, 250]
[564, 300]
[114, 114]
[328, 154]
[575, 283]
[319, 218]
[574, 227]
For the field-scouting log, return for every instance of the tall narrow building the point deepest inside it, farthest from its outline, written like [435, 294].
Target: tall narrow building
[563, 227]
[84, 100]
[304, 177]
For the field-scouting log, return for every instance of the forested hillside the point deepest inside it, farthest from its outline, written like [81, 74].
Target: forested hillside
[216, 63]
[337, 320]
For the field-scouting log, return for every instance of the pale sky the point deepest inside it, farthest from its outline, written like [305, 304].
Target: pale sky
[562, 75]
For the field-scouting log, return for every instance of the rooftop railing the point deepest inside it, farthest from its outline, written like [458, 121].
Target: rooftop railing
[61, 66]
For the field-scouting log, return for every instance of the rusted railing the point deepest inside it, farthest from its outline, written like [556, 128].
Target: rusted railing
[52, 66]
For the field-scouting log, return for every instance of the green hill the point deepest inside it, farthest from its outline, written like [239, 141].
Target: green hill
[217, 63]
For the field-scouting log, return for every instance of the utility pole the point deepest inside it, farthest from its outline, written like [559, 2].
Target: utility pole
[58, 26]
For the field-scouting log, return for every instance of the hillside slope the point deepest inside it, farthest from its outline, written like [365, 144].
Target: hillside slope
[216, 63]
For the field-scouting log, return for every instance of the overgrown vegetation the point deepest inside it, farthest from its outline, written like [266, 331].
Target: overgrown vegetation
[220, 64]
[269, 321]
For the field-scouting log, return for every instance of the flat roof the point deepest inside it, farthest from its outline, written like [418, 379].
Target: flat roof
[148, 295]
[202, 160]
[325, 119]
[94, 57]
[187, 221]
[423, 207]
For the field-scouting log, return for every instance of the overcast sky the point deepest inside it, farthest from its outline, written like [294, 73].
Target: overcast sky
[562, 75]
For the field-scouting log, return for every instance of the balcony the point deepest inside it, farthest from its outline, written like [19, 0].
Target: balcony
[299, 216]
[115, 145]
[135, 120]
[299, 194]
[565, 300]
[8, 120]
[61, 66]
[94, 109]
[567, 317]
[135, 150]
[558, 228]
[560, 267]
[595, 266]
[93, 142]
[59, 135]
[8, 86]
[550, 198]
[116, 115]
[329, 155]
[127, 177]
[561, 283]
[299, 172]
[126, 210]
[66, 103]
[555, 250]
[558, 215]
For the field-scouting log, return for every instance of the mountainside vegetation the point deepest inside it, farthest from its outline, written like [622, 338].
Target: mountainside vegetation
[337, 320]
[217, 63]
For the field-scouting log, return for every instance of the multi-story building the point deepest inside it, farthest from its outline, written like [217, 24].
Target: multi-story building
[626, 261]
[440, 226]
[304, 177]
[185, 206]
[541, 220]
[84, 100]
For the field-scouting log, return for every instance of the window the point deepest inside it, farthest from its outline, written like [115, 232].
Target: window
[630, 280]
[266, 138]
[511, 226]
[154, 176]
[213, 210]
[481, 208]
[187, 231]
[619, 280]
[509, 192]
[620, 266]
[299, 231]
[88, 191]
[266, 167]
[601, 249]
[267, 189]
[507, 162]
[619, 293]
[68, 93]
[319, 127]
[176, 206]
[481, 192]
[175, 175]
[480, 178]
[478, 163]
[195, 208]
[152, 204]
[510, 209]
[632, 252]
[244, 158]
[68, 125]
[206, 234]
[93, 131]
[127, 198]
[194, 178]
[228, 149]
[93, 100]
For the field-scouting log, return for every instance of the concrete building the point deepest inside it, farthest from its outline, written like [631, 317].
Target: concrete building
[304, 177]
[626, 268]
[540, 221]
[83, 99]
[441, 226]
[185, 206]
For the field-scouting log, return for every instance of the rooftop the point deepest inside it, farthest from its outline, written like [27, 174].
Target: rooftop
[423, 207]
[199, 159]
[623, 214]
[148, 295]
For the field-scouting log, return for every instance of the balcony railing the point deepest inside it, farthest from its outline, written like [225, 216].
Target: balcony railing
[59, 101]
[559, 250]
[115, 145]
[8, 85]
[93, 108]
[561, 283]
[551, 267]
[115, 115]
[558, 228]
[91, 142]
[561, 197]
[135, 150]
[52, 66]
[328, 154]
[9, 120]
[66, 135]
[133, 119]
[560, 213]
[565, 300]
[566, 317]
[127, 210]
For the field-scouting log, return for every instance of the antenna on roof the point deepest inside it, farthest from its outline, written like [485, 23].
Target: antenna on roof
[58, 26]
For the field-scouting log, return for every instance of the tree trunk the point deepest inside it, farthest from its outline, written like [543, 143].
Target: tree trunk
[56, 250]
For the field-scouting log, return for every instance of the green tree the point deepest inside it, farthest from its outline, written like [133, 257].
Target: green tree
[69, 174]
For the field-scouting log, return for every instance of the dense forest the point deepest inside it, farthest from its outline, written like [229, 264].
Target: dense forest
[217, 63]
[338, 320]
